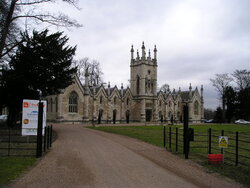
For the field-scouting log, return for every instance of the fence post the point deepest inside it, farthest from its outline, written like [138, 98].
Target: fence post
[164, 136]
[222, 149]
[50, 143]
[209, 140]
[176, 139]
[39, 130]
[9, 143]
[237, 149]
[185, 133]
[170, 132]
[45, 139]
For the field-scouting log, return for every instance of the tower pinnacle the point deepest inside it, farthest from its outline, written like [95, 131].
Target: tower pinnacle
[143, 51]
[132, 52]
[155, 53]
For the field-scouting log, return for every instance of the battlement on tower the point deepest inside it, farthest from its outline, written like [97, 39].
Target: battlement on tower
[143, 59]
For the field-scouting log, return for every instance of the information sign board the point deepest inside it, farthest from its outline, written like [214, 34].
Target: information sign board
[30, 116]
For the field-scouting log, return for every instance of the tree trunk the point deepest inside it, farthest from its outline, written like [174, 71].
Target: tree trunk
[6, 26]
[223, 107]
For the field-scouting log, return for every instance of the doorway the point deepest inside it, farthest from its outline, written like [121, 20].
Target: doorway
[114, 116]
[100, 116]
[148, 115]
[127, 116]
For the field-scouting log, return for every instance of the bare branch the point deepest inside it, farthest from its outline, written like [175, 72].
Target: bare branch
[60, 20]
[34, 2]
[12, 46]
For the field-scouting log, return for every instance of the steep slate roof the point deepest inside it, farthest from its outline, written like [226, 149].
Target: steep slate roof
[185, 95]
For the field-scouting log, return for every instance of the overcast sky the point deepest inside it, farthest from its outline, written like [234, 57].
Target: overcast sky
[195, 38]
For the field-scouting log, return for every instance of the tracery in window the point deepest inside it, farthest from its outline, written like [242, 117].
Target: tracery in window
[73, 102]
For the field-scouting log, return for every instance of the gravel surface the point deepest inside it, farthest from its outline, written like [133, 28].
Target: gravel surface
[82, 157]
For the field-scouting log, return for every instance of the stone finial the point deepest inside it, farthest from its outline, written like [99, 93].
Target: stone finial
[138, 57]
[132, 48]
[190, 86]
[155, 53]
[108, 88]
[202, 92]
[132, 52]
[122, 89]
[190, 91]
[143, 51]
[143, 47]
[86, 75]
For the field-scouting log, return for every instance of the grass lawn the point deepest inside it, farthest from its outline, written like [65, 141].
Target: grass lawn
[198, 148]
[12, 167]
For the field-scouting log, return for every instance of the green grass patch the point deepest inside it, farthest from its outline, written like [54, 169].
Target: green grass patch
[199, 147]
[12, 167]
[150, 134]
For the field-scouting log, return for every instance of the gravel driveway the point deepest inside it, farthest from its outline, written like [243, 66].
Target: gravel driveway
[82, 157]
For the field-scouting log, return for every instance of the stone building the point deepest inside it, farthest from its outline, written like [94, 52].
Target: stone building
[140, 102]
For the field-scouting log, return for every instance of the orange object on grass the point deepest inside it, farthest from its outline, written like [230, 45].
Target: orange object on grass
[215, 158]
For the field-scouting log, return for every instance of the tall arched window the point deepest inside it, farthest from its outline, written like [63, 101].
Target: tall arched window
[101, 99]
[196, 108]
[73, 102]
[137, 85]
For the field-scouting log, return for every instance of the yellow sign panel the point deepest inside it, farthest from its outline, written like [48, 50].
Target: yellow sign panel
[223, 141]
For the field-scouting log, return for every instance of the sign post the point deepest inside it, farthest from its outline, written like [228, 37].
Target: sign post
[223, 143]
[39, 130]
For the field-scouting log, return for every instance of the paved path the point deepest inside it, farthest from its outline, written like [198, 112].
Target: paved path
[82, 157]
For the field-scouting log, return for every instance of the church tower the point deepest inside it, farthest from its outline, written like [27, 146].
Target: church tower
[143, 82]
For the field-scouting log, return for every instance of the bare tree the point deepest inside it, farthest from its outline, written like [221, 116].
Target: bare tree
[94, 71]
[82, 65]
[164, 87]
[221, 82]
[242, 79]
[13, 10]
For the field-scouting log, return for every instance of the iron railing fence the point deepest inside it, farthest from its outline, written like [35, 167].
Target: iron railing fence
[12, 143]
[207, 142]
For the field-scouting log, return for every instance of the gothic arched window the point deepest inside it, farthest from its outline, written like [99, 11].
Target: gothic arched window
[114, 100]
[73, 102]
[196, 108]
[101, 99]
[137, 85]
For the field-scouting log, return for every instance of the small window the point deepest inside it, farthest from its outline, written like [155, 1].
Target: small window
[137, 85]
[101, 99]
[114, 100]
[196, 108]
[127, 101]
[149, 71]
[73, 102]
